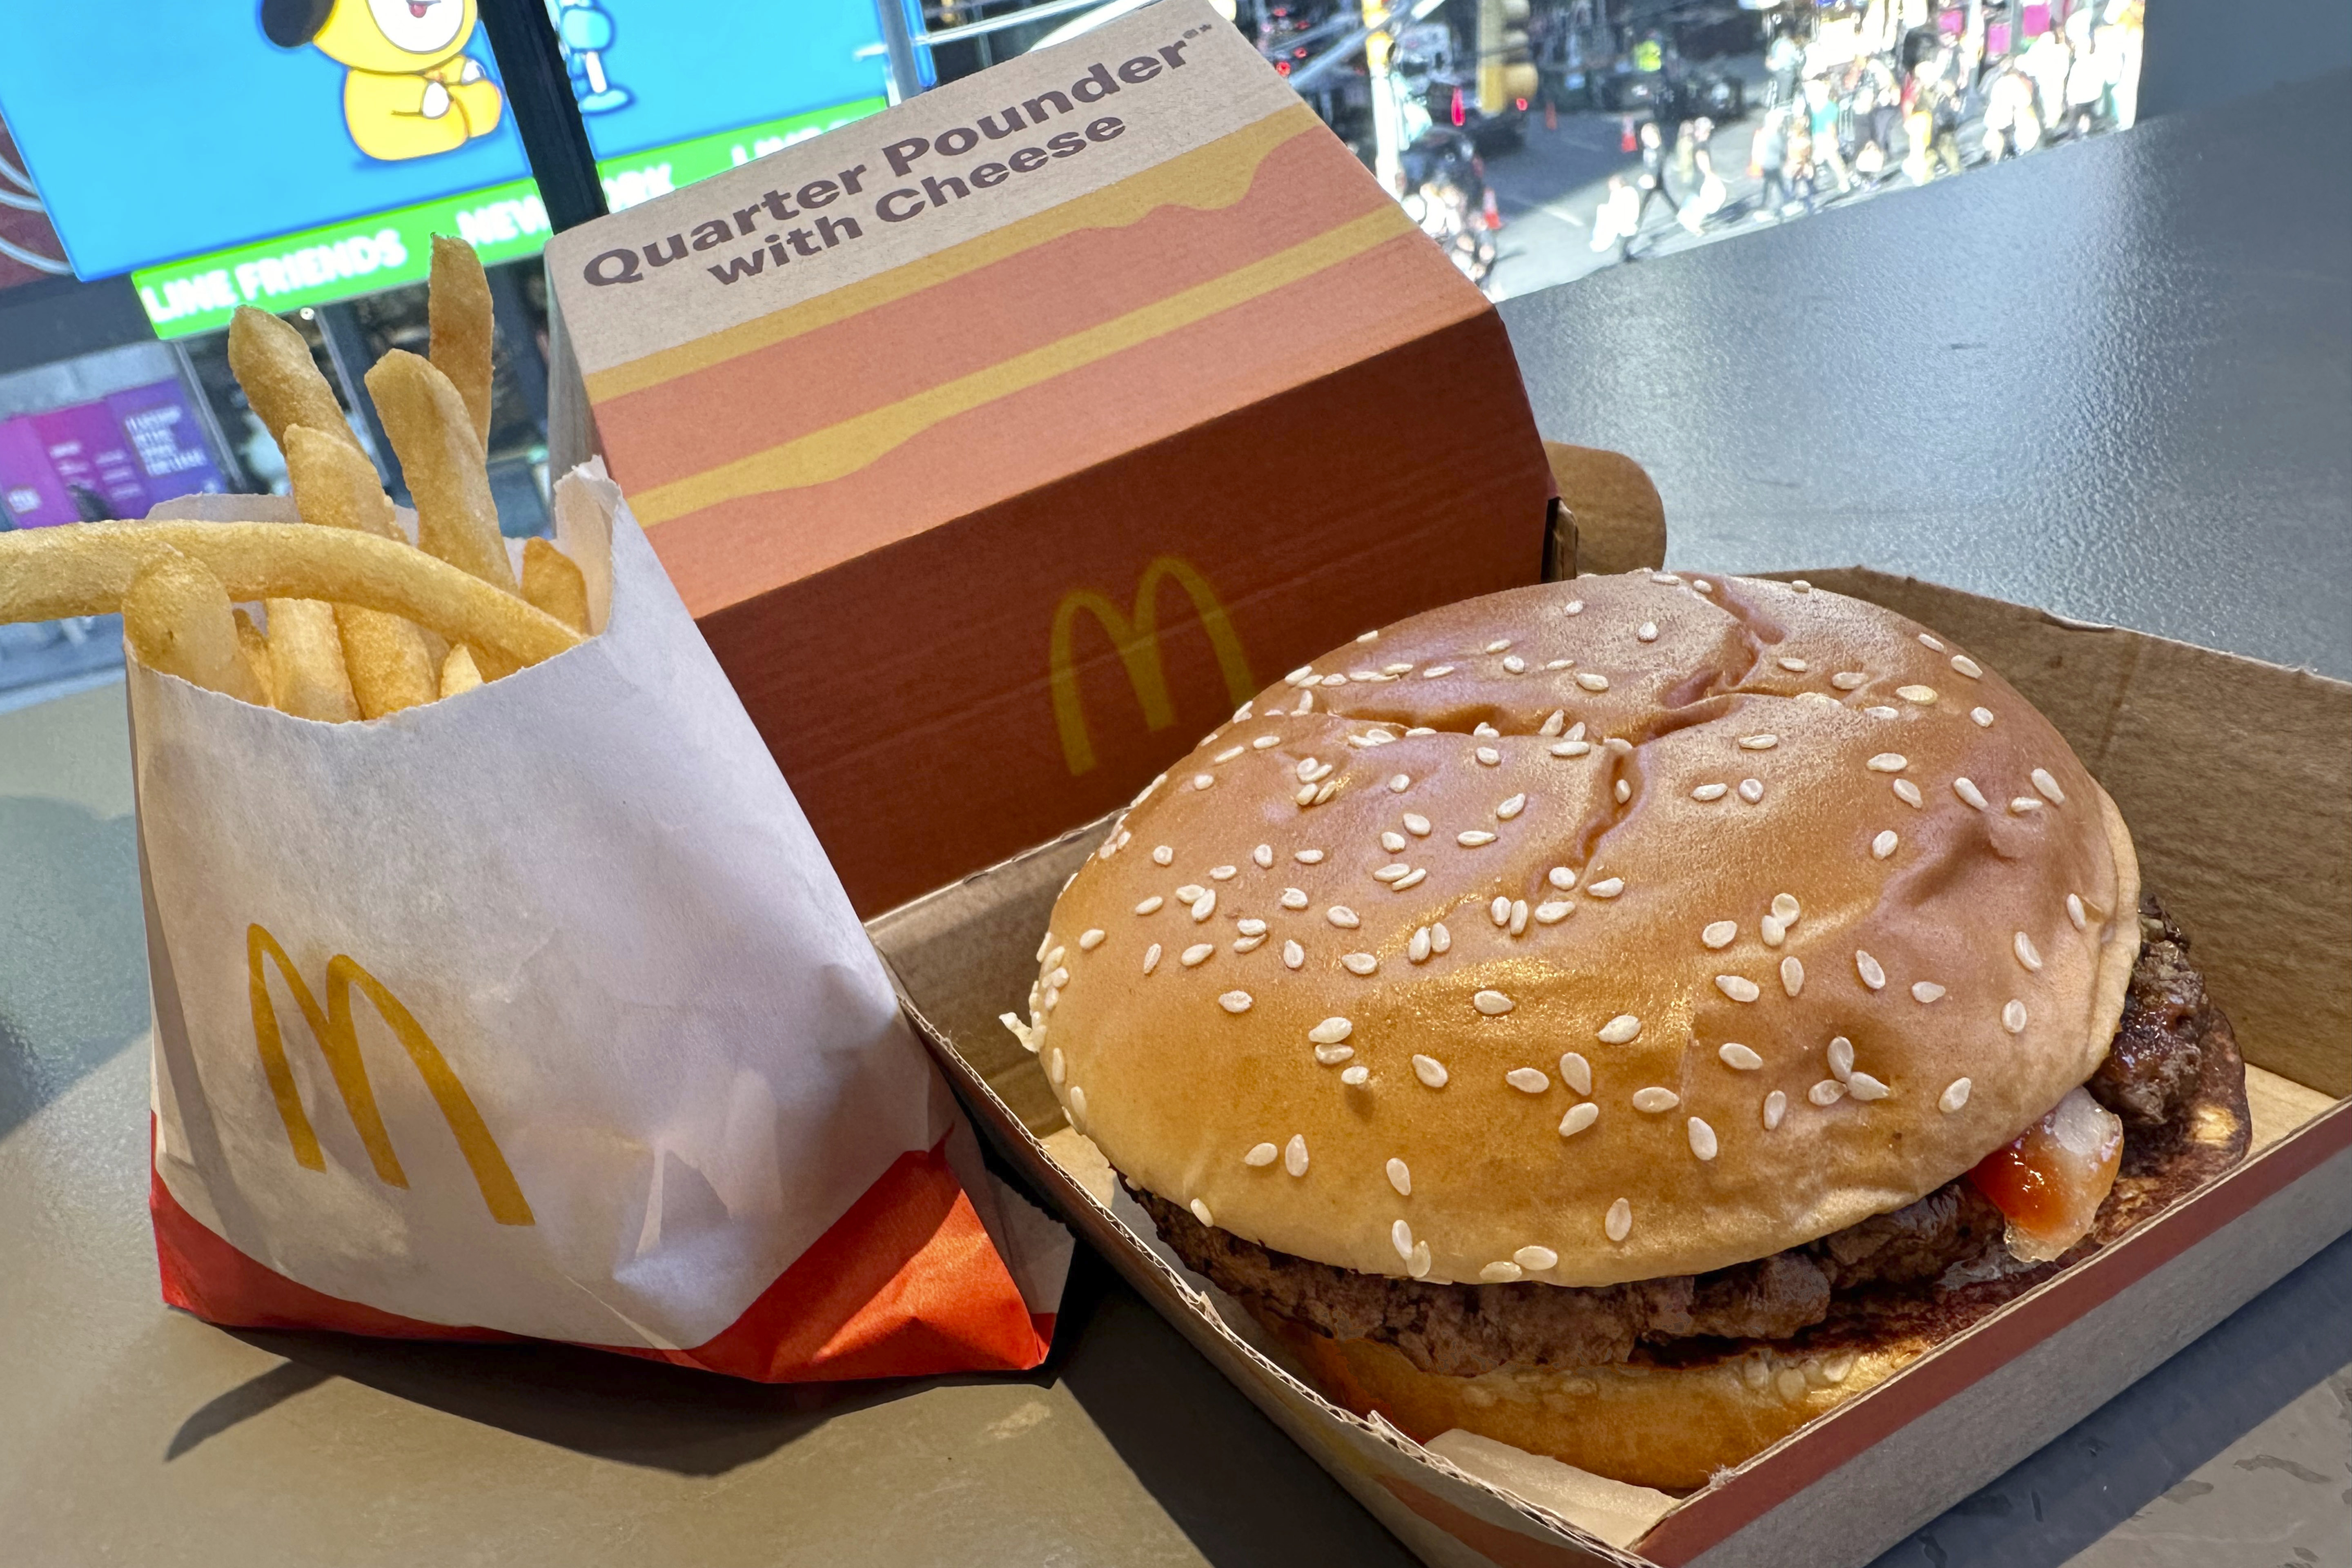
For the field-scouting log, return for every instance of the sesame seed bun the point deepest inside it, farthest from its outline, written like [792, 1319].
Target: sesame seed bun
[1455, 954]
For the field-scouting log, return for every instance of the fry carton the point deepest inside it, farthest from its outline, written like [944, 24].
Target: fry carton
[537, 1011]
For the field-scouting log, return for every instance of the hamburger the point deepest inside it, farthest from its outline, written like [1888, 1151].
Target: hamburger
[1625, 1018]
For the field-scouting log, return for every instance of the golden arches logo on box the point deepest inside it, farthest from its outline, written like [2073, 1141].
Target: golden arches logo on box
[1137, 641]
[337, 1036]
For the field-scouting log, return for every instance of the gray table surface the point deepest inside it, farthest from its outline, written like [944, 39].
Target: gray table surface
[2112, 380]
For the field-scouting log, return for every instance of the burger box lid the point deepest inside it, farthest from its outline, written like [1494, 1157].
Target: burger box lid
[2246, 838]
[1037, 422]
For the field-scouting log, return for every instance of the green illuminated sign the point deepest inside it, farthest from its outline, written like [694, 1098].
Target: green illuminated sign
[503, 222]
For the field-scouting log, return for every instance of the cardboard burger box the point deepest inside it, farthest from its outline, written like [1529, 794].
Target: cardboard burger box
[1037, 422]
[2245, 832]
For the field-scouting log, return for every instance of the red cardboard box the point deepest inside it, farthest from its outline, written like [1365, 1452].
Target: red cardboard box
[1037, 422]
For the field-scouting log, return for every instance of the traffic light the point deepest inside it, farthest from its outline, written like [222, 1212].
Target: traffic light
[1507, 71]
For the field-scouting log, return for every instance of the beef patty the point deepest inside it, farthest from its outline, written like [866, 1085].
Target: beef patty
[2173, 1076]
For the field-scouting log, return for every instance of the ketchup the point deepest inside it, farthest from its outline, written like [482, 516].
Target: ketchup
[2049, 1181]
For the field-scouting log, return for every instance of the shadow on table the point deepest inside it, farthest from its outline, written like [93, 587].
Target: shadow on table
[73, 949]
[2146, 1440]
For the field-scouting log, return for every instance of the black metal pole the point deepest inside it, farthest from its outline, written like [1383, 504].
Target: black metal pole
[539, 94]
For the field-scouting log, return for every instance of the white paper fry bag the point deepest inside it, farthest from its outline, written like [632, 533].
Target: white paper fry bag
[539, 1011]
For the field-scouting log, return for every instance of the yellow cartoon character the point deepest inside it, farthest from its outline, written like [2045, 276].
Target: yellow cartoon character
[411, 91]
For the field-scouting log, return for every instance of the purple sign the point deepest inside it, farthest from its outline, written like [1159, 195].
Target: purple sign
[29, 488]
[91, 456]
[166, 439]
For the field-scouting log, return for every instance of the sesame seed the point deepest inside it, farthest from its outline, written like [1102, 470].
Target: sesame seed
[1488, 755]
[1416, 825]
[2026, 952]
[1197, 954]
[1576, 1072]
[1828, 1091]
[2024, 803]
[1430, 1070]
[1666, 578]
[1201, 1212]
[1922, 695]
[1888, 762]
[1552, 726]
[1355, 1076]
[1702, 1139]
[1772, 930]
[1055, 1068]
[1306, 795]
[1343, 917]
[1401, 1178]
[1250, 943]
[1776, 1106]
[1620, 1222]
[1263, 741]
[1261, 1155]
[1417, 950]
[1607, 887]
[1486, 731]
[1648, 631]
[1966, 789]
[1739, 988]
[1077, 1109]
[1570, 748]
[1499, 911]
[1332, 1055]
[1849, 680]
[1591, 682]
[1359, 963]
[1552, 911]
[1535, 1259]
[1868, 968]
[1579, 1118]
[1653, 1099]
[1420, 1260]
[2048, 786]
[1162, 856]
[1301, 675]
[1925, 990]
[1202, 781]
[1511, 807]
[1702, 584]
[1293, 899]
[1840, 1057]
[2075, 912]
[1435, 671]
[1440, 939]
[1562, 877]
[1752, 789]
[1500, 1273]
[1883, 844]
[1252, 927]
[1883, 712]
[1400, 668]
[1515, 664]
[1412, 879]
[1799, 585]
[2012, 1016]
[1955, 1095]
[1907, 793]
[1262, 857]
[1293, 955]
[1624, 791]
[1527, 1080]
[1307, 856]
[1150, 906]
[1792, 974]
[1189, 892]
[1494, 1004]
[1710, 791]
[1968, 667]
[1739, 1056]
[1576, 607]
[1559, 663]
[1223, 873]
[1391, 872]
[1758, 743]
[1335, 681]
[1151, 958]
[1293, 1155]
[1983, 716]
[1400, 783]
[1473, 838]
[1861, 1086]
[1227, 755]
[1498, 644]
[1046, 946]
[1206, 905]
[1092, 940]
[1929, 642]
[1618, 1030]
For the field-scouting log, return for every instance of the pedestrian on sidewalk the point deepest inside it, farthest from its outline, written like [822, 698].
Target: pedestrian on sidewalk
[1618, 217]
[1767, 158]
[1822, 115]
[1651, 184]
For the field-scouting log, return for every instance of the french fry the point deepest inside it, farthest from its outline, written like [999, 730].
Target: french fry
[459, 307]
[427, 419]
[281, 381]
[84, 569]
[257, 652]
[553, 581]
[306, 675]
[458, 672]
[176, 621]
[388, 660]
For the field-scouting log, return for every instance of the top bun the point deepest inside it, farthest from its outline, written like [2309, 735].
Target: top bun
[1456, 954]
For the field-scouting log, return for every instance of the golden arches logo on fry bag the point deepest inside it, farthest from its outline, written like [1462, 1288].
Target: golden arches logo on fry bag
[336, 1032]
[1136, 642]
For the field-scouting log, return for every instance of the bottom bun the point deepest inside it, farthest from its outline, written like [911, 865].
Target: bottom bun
[1666, 1427]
